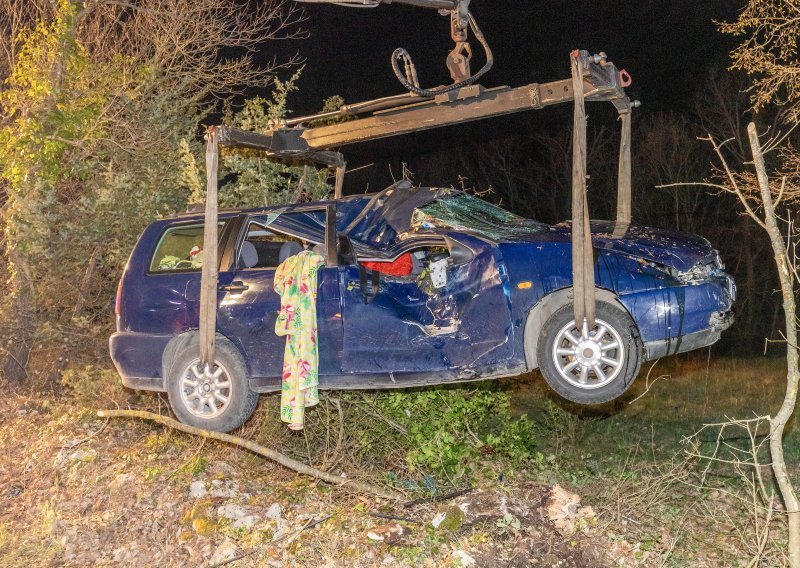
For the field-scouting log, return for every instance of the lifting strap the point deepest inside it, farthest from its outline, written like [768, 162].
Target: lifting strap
[582, 253]
[369, 282]
[339, 185]
[208, 278]
[624, 174]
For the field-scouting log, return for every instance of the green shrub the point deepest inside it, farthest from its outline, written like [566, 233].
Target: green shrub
[422, 439]
[450, 427]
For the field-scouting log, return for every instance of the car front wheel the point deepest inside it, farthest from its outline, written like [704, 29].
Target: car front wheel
[590, 365]
[215, 397]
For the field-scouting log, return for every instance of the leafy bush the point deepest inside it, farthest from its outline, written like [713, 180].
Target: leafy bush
[421, 438]
[450, 427]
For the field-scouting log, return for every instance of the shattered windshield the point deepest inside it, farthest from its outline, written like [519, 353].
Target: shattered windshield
[466, 212]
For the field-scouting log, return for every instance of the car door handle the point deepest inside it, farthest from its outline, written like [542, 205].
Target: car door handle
[234, 287]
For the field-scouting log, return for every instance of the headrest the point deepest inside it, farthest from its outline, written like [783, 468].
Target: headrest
[289, 248]
[248, 256]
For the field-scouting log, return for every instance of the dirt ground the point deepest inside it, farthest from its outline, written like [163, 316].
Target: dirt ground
[76, 491]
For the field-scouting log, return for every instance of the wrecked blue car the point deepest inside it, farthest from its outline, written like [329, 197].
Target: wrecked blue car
[422, 286]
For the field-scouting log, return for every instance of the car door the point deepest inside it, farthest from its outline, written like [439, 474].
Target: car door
[249, 308]
[411, 324]
[170, 296]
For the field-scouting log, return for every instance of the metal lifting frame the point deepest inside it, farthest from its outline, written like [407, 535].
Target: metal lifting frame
[593, 79]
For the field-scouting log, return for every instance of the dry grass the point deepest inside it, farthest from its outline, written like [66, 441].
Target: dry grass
[630, 460]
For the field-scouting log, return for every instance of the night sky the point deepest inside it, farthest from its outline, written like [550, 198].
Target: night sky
[669, 47]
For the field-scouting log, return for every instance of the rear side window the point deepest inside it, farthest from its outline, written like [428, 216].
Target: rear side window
[264, 249]
[180, 249]
[272, 239]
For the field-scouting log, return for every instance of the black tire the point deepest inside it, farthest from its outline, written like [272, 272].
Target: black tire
[594, 389]
[241, 401]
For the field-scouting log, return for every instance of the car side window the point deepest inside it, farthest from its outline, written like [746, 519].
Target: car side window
[180, 249]
[263, 248]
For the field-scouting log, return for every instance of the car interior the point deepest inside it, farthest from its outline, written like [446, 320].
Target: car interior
[263, 248]
[412, 263]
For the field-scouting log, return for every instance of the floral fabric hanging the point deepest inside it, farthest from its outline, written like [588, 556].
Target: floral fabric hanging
[296, 283]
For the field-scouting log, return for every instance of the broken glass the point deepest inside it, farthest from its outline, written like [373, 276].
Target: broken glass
[464, 212]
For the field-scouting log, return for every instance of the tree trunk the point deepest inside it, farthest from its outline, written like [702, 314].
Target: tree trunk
[16, 354]
[778, 423]
[16, 348]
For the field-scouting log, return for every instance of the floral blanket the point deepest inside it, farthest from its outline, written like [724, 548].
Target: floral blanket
[296, 283]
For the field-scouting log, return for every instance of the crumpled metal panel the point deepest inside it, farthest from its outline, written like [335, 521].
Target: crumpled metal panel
[386, 215]
[680, 251]
[411, 327]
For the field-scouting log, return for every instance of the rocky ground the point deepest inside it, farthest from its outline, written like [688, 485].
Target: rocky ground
[78, 491]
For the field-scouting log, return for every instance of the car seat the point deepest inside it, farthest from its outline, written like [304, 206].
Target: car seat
[248, 256]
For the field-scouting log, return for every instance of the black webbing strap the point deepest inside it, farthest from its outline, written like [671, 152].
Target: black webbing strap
[370, 281]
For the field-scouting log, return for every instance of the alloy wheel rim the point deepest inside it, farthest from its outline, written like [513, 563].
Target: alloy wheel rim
[206, 390]
[588, 358]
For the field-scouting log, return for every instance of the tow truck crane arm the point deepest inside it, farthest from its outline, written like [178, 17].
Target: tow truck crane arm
[593, 78]
[406, 114]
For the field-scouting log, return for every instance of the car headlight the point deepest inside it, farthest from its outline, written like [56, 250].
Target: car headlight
[698, 273]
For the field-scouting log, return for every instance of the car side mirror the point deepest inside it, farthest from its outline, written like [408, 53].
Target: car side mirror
[345, 254]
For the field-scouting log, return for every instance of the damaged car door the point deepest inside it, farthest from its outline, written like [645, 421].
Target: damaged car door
[450, 312]
[248, 311]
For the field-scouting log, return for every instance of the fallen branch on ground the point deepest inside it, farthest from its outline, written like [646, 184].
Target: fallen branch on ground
[285, 461]
[437, 498]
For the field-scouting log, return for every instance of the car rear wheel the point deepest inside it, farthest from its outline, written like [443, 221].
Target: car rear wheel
[590, 365]
[213, 397]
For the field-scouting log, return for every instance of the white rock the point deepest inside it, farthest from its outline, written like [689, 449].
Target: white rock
[64, 456]
[464, 559]
[60, 459]
[227, 488]
[240, 517]
[282, 528]
[438, 519]
[225, 552]
[197, 490]
[122, 480]
[83, 455]
[274, 511]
